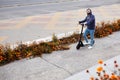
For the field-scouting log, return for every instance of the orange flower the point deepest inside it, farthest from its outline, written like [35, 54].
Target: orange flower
[92, 78]
[113, 76]
[106, 76]
[99, 69]
[100, 61]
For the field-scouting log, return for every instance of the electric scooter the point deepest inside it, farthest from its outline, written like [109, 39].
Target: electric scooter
[80, 43]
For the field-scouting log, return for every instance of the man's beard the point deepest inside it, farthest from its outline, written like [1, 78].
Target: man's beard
[88, 13]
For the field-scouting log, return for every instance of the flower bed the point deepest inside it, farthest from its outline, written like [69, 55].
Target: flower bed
[37, 49]
[105, 73]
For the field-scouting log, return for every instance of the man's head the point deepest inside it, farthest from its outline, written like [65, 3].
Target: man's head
[89, 11]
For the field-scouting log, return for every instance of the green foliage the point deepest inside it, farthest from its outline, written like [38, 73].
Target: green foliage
[54, 38]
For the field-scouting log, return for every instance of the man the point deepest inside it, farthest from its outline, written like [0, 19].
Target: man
[89, 21]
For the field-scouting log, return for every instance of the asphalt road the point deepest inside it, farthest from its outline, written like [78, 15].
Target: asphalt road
[22, 8]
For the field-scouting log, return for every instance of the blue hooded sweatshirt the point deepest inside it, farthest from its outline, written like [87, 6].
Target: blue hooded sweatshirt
[90, 21]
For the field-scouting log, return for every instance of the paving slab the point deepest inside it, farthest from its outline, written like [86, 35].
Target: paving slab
[31, 69]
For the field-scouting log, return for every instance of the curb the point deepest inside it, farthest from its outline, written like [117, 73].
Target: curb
[47, 39]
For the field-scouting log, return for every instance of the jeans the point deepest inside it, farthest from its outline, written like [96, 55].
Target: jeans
[91, 32]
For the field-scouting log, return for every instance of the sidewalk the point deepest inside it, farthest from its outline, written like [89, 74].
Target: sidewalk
[44, 25]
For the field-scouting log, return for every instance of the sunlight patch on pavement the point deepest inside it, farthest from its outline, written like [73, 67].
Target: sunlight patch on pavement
[23, 23]
[103, 12]
[11, 25]
[2, 38]
[52, 23]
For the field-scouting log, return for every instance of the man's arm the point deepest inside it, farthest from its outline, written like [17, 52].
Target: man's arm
[83, 21]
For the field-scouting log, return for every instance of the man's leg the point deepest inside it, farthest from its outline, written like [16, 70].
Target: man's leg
[85, 35]
[92, 37]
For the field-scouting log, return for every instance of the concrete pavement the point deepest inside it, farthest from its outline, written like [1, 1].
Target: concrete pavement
[44, 25]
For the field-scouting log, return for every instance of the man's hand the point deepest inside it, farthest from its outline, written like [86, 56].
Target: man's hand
[79, 22]
[82, 24]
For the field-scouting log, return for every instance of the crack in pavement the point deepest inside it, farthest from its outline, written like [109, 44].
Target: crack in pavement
[57, 66]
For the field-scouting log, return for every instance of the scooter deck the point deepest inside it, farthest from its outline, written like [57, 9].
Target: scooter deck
[86, 44]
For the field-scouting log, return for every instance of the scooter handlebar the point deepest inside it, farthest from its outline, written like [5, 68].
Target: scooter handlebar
[82, 24]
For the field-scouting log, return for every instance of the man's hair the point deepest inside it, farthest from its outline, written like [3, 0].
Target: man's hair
[89, 9]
